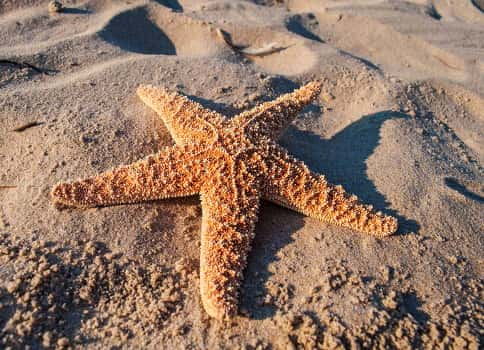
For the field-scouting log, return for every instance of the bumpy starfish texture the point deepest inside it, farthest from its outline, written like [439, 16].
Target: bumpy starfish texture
[232, 164]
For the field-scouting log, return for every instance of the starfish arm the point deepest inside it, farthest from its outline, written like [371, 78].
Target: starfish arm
[173, 172]
[186, 120]
[229, 205]
[290, 183]
[270, 119]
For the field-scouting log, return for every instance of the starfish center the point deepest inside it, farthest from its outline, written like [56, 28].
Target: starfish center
[234, 142]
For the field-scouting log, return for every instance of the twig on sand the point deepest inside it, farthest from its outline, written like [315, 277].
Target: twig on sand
[21, 65]
[226, 38]
[260, 51]
[5, 187]
[264, 50]
[27, 126]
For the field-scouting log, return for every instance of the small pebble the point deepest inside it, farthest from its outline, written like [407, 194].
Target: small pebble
[63, 342]
[55, 6]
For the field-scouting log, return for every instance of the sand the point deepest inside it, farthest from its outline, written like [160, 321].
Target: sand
[400, 123]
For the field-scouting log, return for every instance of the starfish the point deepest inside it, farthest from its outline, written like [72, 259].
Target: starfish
[232, 163]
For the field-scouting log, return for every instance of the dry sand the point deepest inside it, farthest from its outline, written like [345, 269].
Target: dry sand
[400, 123]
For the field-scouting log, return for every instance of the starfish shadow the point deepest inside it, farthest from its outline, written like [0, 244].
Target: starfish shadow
[223, 108]
[275, 228]
[277, 85]
[342, 159]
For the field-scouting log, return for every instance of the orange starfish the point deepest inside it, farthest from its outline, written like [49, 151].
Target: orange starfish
[232, 164]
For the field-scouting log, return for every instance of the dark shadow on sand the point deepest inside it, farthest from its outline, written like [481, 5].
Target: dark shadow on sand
[222, 108]
[75, 11]
[296, 25]
[479, 4]
[462, 189]
[274, 231]
[277, 85]
[366, 62]
[173, 4]
[134, 31]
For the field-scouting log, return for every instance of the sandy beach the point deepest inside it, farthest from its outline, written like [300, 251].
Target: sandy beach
[399, 123]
